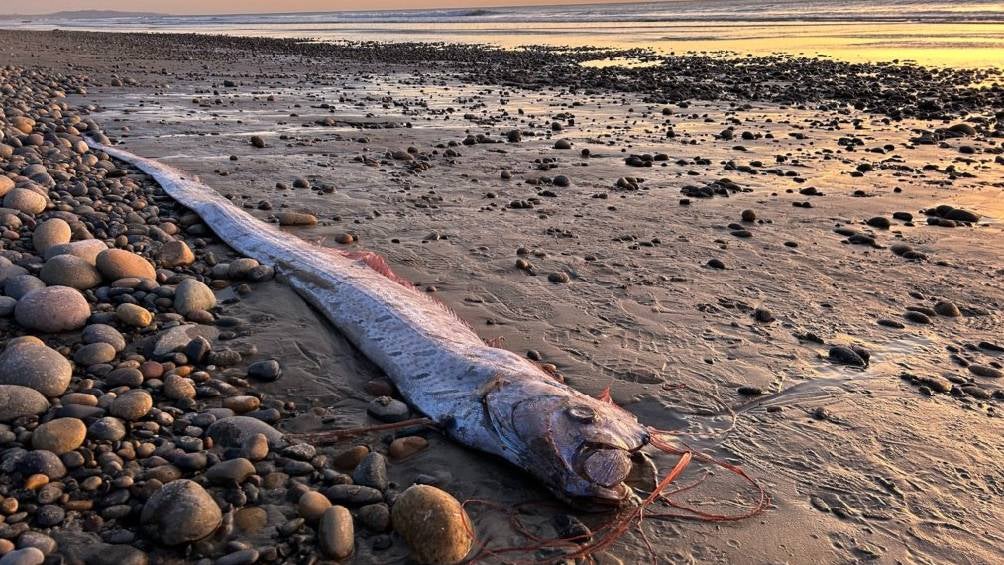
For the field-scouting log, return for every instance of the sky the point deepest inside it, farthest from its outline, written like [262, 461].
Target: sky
[266, 6]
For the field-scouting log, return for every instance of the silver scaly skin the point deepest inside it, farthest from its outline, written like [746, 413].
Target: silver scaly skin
[483, 397]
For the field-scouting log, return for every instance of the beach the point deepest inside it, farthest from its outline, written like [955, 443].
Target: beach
[747, 252]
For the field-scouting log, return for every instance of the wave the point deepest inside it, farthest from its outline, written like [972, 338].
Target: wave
[736, 11]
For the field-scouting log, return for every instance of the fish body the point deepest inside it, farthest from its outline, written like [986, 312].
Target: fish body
[484, 397]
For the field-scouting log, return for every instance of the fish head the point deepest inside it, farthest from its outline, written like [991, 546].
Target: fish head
[580, 447]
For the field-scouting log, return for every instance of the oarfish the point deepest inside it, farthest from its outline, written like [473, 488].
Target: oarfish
[484, 397]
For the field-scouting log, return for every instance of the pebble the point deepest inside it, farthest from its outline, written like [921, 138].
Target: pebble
[255, 447]
[353, 495]
[59, 435]
[312, 505]
[916, 317]
[179, 388]
[404, 447]
[53, 309]
[558, 277]
[115, 264]
[132, 405]
[233, 471]
[375, 517]
[268, 370]
[433, 524]
[387, 409]
[86, 249]
[25, 556]
[842, 355]
[25, 200]
[371, 471]
[351, 457]
[20, 401]
[103, 333]
[133, 315]
[181, 512]
[242, 403]
[40, 462]
[233, 431]
[193, 295]
[106, 429]
[716, 264]
[985, 371]
[53, 231]
[296, 219]
[70, 271]
[94, 354]
[176, 254]
[947, 309]
[335, 533]
[35, 366]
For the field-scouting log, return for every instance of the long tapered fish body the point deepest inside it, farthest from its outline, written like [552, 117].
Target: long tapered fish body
[485, 397]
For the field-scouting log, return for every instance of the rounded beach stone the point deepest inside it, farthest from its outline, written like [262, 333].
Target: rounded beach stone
[232, 471]
[335, 533]
[6, 185]
[53, 231]
[35, 366]
[94, 354]
[41, 462]
[107, 429]
[267, 370]
[176, 254]
[25, 200]
[52, 309]
[103, 333]
[193, 295]
[86, 249]
[71, 271]
[134, 315]
[239, 268]
[296, 219]
[115, 264]
[181, 512]
[433, 524]
[177, 387]
[255, 447]
[19, 401]
[59, 436]
[233, 431]
[24, 556]
[132, 405]
[312, 505]
[7, 305]
[19, 285]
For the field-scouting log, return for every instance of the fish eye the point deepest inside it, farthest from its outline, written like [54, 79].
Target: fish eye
[583, 414]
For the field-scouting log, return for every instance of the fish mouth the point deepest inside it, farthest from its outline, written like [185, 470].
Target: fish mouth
[605, 469]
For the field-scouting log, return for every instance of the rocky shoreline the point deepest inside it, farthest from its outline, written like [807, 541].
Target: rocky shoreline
[129, 419]
[757, 227]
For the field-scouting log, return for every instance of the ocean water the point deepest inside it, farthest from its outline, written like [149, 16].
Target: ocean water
[966, 33]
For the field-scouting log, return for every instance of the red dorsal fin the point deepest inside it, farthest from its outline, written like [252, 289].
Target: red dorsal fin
[378, 264]
[495, 342]
[604, 395]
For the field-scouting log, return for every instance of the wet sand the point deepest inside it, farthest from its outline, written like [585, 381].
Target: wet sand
[860, 463]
